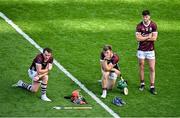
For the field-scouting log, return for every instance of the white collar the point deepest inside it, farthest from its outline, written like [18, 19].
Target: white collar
[147, 24]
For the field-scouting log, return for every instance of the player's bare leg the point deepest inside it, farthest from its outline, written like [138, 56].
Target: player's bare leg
[30, 87]
[35, 86]
[105, 77]
[36, 82]
[151, 63]
[110, 84]
[141, 74]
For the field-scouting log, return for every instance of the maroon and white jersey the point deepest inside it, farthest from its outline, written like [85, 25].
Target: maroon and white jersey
[114, 60]
[39, 59]
[145, 31]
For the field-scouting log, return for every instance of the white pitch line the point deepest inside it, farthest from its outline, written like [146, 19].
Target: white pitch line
[109, 110]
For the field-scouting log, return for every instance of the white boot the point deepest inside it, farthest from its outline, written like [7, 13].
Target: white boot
[19, 83]
[45, 98]
[104, 94]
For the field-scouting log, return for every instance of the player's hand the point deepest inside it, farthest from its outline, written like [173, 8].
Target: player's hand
[49, 67]
[150, 35]
[106, 58]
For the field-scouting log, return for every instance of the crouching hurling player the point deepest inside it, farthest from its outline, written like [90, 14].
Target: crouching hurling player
[109, 69]
[38, 72]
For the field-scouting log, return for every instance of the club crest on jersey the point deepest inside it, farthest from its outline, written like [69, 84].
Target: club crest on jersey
[150, 29]
[44, 64]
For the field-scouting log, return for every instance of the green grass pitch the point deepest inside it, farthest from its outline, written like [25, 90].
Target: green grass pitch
[76, 30]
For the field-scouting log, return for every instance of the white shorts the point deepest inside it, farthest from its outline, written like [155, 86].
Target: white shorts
[32, 73]
[145, 54]
[112, 76]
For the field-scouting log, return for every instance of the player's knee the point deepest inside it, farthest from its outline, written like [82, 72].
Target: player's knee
[105, 75]
[36, 78]
[34, 90]
[118, 73]
[141, 65]
[110, 85]
[45, 78]
[152, 69]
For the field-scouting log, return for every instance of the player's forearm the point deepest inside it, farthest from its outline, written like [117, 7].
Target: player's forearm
[49, 67]
[42, 71]
[142, 38]
[152, 39]
[41, 75]
[105, 66]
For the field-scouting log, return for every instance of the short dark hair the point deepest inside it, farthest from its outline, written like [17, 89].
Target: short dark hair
[107, 47]
[145, 12]
[47, 49]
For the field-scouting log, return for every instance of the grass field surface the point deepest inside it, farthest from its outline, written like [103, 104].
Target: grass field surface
[76, 30]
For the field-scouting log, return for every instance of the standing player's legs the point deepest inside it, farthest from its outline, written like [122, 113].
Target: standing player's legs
[105, 77]
[141, 73]
[151, 63]
[141, 61]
